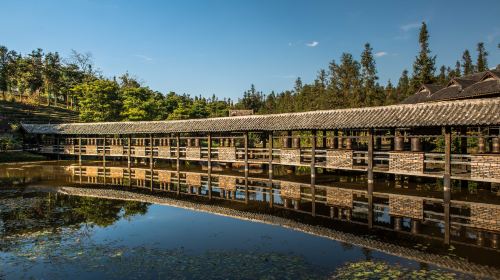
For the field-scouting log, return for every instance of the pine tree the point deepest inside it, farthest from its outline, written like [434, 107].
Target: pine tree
[467, 63]
[424, 65]
[457, 72]
[403, 89]
[482, 61]
[391, 94]
[298, 85]
[369, 78]
[442, 75]
[349, 82]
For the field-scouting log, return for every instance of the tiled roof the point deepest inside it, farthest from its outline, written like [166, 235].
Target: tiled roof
[483, 84]
[454, 113]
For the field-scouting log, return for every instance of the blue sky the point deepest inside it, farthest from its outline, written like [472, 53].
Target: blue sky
[221, 47]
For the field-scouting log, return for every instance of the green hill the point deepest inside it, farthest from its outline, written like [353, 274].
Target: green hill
[15, 112]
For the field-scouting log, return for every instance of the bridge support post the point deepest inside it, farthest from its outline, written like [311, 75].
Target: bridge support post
[80, 150]
[129, 163]
[246, 166]
[447, 183]
[270, 155]
[104, 157]
[151, 144]
[178, 163]
[370, 177]
[313, 173]
[209, 165]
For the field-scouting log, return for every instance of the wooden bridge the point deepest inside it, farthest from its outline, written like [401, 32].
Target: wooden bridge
[449, 140]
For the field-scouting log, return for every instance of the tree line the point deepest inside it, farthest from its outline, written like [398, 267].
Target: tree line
[351, 83]
[74, 82]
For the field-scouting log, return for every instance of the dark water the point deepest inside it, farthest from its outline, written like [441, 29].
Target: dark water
[45, 234]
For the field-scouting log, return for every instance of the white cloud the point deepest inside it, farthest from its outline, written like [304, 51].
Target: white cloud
[312, 44]
[380, 54]
[143, 57]
[491, 37]
[410, 26]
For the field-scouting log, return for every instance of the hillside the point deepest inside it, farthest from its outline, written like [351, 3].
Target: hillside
[15, 112]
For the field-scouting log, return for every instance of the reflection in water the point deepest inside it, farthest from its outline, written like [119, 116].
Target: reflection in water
[122, 229]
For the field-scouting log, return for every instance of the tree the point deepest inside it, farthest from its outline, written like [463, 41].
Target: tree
[84, 62]
[252, 100]
[99, 101]
[457, 72]
[442, 77]
[424, 65]
[482, 61]
[70, 77]
[35, 66]
[348, 82]
[403, 88]
[391, 94]
[373, 95]
[136, 103]
[467, 63]
[4, 64]
[52, 76]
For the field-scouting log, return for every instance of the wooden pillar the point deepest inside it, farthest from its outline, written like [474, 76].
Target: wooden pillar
[392, 133]
[151, 164]
[209, 165]
[399, 142]
[270, 153]
[270, 172]
[104, 150]
[178, 163]
[464, 184]
[336, 144]
[447, 183]
[80, 150]
[246, 165]
[397, 223]
[104, 157]
[416, 144]
[481, 144]
[313, 173]
[348, 141]
[378, 141]
[288, 139]
[370, 177]
[57, 147]
[495, 145]
[323, 142]
[129, 147]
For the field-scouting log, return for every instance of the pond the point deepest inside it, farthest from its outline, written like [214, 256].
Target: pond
[54, 225]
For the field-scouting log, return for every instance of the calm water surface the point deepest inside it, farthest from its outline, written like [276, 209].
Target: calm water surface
[49, 235]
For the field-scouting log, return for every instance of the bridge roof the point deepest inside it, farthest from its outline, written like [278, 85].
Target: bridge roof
[470, 112]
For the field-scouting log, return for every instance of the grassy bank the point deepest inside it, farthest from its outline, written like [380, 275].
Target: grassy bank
[19, 157]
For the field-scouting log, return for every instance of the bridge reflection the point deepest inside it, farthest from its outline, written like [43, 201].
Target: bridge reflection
[403, 206]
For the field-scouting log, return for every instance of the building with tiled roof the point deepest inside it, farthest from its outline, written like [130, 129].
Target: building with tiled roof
[478, 85]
